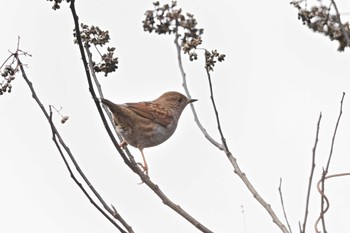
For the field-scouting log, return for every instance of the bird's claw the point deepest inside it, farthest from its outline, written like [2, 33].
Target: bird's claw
[143, 168]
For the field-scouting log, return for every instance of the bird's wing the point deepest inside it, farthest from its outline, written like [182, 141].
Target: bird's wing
[151, 111]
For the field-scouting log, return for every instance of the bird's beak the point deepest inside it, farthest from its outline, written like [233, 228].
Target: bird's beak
[191, 101]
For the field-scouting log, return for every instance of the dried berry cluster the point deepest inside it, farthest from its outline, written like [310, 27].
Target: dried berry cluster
[167, 19]
[57, 3]
[95, 36]
[320, 19]
[210, 59]
[8, 75]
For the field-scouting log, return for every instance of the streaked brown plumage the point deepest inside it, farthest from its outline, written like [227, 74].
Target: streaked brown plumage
[147, 124]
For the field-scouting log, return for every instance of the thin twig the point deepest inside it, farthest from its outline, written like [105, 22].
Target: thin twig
[131, 164]
[223, 140]
[335, 132]
[325, 171]
[319, 189]
[57, 135]
[282, 203]
[313, 164]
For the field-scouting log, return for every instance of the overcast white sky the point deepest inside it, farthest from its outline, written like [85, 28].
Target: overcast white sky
[276, 79]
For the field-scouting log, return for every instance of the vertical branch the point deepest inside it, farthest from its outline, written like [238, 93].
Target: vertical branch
[335, 132]
[303, 228]
[325, 171]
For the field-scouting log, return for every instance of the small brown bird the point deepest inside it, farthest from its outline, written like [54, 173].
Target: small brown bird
[147, 124]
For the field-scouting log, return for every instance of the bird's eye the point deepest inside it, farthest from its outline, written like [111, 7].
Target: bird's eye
[179, 100]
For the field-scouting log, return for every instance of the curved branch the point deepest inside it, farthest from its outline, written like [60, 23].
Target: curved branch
[323, 196]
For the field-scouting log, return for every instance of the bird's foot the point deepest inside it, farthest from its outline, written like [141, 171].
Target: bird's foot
[123, 144]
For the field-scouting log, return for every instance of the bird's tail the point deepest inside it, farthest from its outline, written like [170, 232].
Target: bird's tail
[112, 106]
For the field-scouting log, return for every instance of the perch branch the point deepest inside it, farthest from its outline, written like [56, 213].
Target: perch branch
[131, 164]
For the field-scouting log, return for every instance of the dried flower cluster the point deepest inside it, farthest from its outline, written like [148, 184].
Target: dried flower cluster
[57, 3]
[167, 19]
[320, 19]
[211, 57]
[108, 63]
[95, 36]
[8, 75]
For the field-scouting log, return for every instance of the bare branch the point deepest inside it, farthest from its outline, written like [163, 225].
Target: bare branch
[303, 229]
[282, 203]
[335, 132]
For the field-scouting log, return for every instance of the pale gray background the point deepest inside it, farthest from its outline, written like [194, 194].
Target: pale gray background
[276, 78]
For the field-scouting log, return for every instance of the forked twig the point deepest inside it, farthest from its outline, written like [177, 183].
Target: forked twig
[184, 84]
[224, 146]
